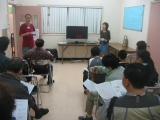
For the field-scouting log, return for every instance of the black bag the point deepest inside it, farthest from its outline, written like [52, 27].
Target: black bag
[99, 78]
[110, 108]
[53, 52]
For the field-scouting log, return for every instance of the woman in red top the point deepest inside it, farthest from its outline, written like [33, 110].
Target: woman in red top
[25, 32]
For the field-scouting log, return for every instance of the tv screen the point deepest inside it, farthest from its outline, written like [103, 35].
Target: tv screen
[77, 32]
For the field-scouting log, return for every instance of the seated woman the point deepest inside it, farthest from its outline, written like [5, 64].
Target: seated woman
[7, 102]
[145, 58]
[113, 71]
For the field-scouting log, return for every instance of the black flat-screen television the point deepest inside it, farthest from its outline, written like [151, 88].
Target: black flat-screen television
[77, 32]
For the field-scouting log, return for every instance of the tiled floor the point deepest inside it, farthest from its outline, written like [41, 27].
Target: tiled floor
[66, 100]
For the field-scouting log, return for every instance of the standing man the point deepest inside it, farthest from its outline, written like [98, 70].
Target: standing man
[25, 32]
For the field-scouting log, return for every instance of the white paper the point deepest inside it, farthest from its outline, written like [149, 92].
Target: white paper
[86, 69]
[90, 85]
[21, 110]
[34, 32]
[62, 42]
[105, 90]
[118, 88]
[29, 86]
[102, 39]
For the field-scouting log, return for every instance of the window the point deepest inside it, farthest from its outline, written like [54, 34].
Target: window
[55, 19]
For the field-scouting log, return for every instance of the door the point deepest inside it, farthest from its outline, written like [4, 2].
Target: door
[154, 34]
[21, 11]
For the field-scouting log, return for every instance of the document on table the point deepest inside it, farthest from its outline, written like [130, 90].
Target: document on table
[29, 86]
[118, 88]
[21, 110]
[90, 85]
[105, 90]
[62, 42]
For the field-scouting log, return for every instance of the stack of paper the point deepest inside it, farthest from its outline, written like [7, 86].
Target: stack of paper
[21, 110]
[107, 89]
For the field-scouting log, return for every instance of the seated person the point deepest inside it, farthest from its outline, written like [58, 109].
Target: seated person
[122, 54]
[39, 53]
[4, 42]
[141, 45]
[113, 71]
[135, 104]
[14, 68]
[95, 60]
[145, 58]
[7, 102]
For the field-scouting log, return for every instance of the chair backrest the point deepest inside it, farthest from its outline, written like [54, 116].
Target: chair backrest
[152, 90]
[40, 62]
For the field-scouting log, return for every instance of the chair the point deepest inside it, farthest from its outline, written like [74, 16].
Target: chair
[152, 90]
[49, 74]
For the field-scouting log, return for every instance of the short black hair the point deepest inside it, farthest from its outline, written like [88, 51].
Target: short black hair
[95, 51]
[39, 42]
[15, 64]
[141, 45]
[7, 101]
[122, 54]
[106, 24]
[4, 42]
[110, 60]
[27, 15]
[146, 57]
[137, 75]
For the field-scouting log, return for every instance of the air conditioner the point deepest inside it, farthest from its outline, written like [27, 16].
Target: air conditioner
[12, 2]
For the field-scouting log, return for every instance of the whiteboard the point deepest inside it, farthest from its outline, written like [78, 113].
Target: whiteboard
[133, 18]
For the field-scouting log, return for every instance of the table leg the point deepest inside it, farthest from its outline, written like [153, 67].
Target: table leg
[62, 54]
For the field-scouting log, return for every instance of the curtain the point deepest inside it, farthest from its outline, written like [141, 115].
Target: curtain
[55, 19]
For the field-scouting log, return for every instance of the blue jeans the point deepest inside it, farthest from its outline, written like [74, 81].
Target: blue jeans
[25, 49]
[103, 48]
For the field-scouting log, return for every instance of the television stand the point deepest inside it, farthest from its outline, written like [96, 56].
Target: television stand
[77, 42]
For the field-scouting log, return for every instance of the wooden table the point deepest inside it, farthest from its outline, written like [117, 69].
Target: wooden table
[66, 45]
[117, 47]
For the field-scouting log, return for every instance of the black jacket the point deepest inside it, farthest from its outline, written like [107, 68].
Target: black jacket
[3, 62]
[20, 90]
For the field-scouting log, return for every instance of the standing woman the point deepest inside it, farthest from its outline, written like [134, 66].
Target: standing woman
[104, 39]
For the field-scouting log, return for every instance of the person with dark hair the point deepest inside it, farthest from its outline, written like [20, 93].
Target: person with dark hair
[122, 54]
[104, 39]
[113, 71]
[25, 32]
[95, 60]
[39, 53]
[7, 101]
[4, 42]
[141, 45]
[145, 58]
[14, 68]
[135, 104]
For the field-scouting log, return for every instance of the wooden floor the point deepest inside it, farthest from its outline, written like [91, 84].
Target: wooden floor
[66, 100]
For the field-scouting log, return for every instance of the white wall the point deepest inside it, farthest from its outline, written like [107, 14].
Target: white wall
[3, 21]
[135, 36]
[111, 14]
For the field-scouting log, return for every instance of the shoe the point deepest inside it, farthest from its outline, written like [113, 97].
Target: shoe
[41, 113]
[51, 82]
[83, 118]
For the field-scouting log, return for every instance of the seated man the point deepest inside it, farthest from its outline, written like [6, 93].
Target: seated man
[141, 45]
[135, 105]
[95, 60]
[14, 68]
[4, 42]
[122, 54]
[7, 101]
[113, 71]
[40, 54]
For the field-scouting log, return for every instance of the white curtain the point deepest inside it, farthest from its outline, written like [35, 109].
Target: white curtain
[75, 17]
[55, 19]
[93, 20]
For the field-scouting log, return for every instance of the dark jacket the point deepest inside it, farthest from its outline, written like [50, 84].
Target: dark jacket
[106, 35]
[20, 90]
[3, 62]
[153, 79]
